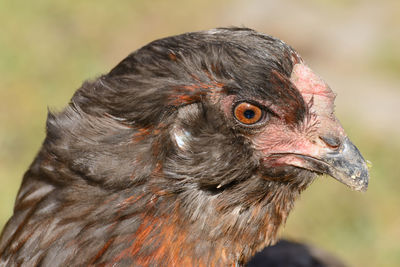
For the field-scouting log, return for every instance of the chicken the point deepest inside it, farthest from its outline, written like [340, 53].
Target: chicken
[190, 152]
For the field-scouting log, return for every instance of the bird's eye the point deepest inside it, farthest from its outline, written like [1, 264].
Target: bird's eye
[247, 113]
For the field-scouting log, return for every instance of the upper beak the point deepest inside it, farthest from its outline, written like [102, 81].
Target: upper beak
[345, 164]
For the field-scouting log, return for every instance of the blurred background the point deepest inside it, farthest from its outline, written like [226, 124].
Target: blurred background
[48, 48]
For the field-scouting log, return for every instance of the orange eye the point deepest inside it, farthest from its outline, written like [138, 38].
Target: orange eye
[247, 113]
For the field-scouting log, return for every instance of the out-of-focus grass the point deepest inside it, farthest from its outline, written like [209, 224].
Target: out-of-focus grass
[48, 48]
[387, 57]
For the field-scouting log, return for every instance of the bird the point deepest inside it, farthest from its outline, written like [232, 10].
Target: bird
[189, 152]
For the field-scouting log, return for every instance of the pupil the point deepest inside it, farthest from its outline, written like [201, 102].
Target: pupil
[249, 114]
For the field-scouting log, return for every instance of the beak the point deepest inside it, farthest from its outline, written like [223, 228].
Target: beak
[348, 166]
[345, 165]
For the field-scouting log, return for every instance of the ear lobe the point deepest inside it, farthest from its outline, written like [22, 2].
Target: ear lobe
[186, 116]
[181, 137]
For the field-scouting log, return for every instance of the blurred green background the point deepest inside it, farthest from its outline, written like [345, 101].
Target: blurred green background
[47, 48]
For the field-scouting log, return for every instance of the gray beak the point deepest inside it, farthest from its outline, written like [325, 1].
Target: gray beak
[347, 166]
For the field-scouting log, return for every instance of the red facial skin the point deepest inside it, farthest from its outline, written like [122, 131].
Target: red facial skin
[279, 137]
[305, 139]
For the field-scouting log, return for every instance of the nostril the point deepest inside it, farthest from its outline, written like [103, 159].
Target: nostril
[331, 141]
